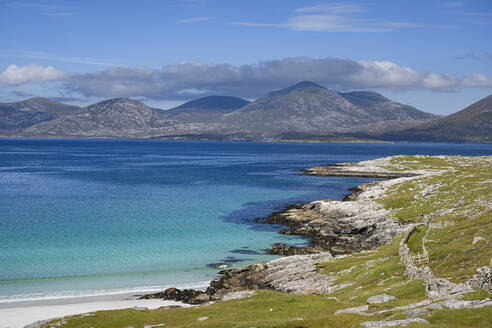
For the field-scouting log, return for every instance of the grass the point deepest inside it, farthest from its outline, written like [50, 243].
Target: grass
[265, 309]
[455, 199]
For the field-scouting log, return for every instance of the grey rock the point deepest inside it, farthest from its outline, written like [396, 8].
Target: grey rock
[462, 304]
[417, 313]
[238, 295]
[477, 239]
[393, 323]
[357, 310]
[482, 279]
[383, 298]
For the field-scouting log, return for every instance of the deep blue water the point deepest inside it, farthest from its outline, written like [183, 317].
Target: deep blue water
[98, 216]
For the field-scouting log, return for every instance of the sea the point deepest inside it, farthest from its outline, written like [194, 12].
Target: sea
[87, 217]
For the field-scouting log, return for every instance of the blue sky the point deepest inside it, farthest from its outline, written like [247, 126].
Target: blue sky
[435, 55]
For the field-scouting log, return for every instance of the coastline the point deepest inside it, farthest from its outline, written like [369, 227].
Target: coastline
[22, 313]
[357, 223]
[28, 313]
[363, 226]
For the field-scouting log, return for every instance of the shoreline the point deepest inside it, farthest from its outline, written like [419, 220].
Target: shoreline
[22, 313]
[28, 313]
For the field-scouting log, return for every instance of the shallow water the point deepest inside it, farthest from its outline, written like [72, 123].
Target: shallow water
[89, 217]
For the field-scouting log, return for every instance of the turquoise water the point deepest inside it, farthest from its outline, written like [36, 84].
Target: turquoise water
[87, 217]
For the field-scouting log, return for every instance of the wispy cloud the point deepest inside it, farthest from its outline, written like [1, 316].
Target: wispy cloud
[67, 59]
[191, 4]
[475, 56]
[484, 18]
[336, 17]
[452, 4]
[45, 9]
[332, 8]
[194, 19]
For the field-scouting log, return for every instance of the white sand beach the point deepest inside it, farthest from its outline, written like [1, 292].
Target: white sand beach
[20, 314]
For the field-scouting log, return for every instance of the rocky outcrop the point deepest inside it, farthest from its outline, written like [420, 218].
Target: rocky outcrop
[482, 279]
[339, 227]
[287, 250]
[189, 296]
[293, 274]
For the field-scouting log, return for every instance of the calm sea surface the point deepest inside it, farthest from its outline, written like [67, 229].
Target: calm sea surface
[88, 217]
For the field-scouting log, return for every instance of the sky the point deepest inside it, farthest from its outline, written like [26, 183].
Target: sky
[434, 55]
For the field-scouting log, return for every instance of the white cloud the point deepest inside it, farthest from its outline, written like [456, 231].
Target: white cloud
[14, 75]
[477, 80]
[187, 79]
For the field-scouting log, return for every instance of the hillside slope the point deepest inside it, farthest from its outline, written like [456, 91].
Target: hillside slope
[472, 124]
[18, 115]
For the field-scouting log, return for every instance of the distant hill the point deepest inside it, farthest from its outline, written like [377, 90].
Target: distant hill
[310, 108]
[19, 115]
[121, 118]
[384, 107]
[205, 109]
[472, 124]
[210, 103]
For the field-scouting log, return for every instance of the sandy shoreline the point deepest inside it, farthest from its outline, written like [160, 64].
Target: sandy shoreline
[22, 313]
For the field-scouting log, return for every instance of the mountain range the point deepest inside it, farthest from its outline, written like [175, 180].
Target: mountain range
[302, 111]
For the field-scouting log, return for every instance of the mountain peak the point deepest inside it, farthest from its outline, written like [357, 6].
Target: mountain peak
[303, 86]
[216, 102]
[364, 98]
